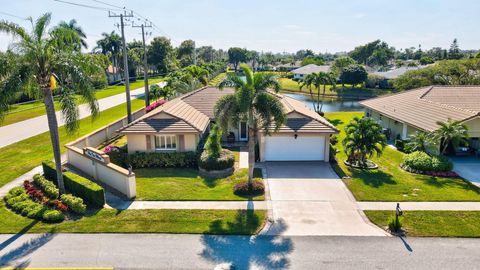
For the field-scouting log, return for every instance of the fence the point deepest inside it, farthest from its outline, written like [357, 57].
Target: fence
[83, 155]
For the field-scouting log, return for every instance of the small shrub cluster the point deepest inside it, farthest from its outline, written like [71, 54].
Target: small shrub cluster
[155, 160]
[79, 186]
[74, 203]
[245, 189]
[394, 225]
[23, 204]
[46, 186]
[225, 160]
[421, 162]
[154, 105]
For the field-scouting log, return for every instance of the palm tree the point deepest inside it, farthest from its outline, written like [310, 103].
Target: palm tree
[308, 81]
[251, 102]
[110, 44]
[364, 137]
[40, 64]
[450, 132]
[324, 78]
[197, 73]
[419, 141]
[72, 24]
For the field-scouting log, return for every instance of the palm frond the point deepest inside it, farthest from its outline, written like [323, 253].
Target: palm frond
[248, 73]
[41, 25]
[269, 112]
[263, 81]
[69, 109]
[232, 80]
[14, 29]
[227, 112]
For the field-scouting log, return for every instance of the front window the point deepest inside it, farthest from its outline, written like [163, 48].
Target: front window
[165, 142]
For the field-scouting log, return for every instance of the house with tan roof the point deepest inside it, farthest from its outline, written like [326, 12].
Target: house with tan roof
[420, 109]
[179, 125]
[301, 72]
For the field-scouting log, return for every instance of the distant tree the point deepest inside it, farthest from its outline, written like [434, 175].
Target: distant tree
[312, 60]
[236, 56]
[425, 60]
[185, 53]
[76, 42]
[253, 57]
[301, 54]
[374, 53]
[353, 74]
[454, 51]
[110, 44]
[160, 54]
[450, 133]
[340, 63]
[206, 54]
[364, 137]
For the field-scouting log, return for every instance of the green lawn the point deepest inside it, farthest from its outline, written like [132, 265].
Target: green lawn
[187, 185]
[19, 158]
[143, 221]
[390, 183]
[433, 223]
[218, 79]
[26, 111]
[289, 85]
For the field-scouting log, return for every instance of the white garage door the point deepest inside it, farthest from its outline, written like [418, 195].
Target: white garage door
[284, 148]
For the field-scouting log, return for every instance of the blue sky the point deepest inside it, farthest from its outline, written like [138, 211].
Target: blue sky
[280, 25]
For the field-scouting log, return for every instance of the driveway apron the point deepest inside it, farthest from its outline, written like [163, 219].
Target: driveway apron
[308, 198]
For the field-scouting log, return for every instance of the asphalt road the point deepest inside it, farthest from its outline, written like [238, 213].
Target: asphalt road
[167, 251]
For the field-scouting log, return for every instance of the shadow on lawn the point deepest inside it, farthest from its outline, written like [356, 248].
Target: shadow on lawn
[373, 178]
[245, 252]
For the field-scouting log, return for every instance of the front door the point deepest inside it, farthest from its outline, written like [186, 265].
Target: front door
[243, 136]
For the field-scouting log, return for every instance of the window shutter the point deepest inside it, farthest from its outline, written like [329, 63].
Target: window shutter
[149, 143]
[181, 143]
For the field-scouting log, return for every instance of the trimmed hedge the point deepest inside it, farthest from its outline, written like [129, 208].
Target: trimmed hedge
[79, 186]
[74, 203]
[22, 204]
[421, 161]
[155, 160]
[226, 160]
[46, 186]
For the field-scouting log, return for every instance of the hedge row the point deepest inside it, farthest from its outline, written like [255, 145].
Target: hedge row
[155, 160]
[226, 160]
[46, 186]
[22, 204]
[79, 186]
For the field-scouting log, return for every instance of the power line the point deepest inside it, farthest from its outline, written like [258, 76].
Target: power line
[11, 15]
[84, 5]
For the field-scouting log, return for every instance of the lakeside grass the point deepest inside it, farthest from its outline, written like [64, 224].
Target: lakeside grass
[21, 157]
[389, 182]
[175, 184]
[243, 222]
[21, 112]
[432, 223]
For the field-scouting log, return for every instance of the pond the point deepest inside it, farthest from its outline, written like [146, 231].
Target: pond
[330, 105]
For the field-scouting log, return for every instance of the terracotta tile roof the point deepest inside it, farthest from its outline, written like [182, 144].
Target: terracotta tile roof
[194, 111]
[424, 107]
[305, 125]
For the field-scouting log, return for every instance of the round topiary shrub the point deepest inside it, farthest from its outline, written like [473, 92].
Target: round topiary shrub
[53, 216]
[245, 189]
[418, 160]
[224, 161]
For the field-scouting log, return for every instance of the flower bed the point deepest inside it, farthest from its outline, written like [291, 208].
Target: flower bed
[431, 173]
[369, 165]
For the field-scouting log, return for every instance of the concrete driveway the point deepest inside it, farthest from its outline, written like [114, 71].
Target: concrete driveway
[468, 168]
[308, 198]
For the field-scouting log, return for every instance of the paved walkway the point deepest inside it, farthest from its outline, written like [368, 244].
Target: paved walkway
[468, 168]
[243, 163]
[412, 206]
[28, 128]
[308, 198]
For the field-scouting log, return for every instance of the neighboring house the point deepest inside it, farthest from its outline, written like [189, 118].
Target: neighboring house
[301, 72]
[182, 122]
[420, 109]
[287, 67]
[113, 74]
[395, 73]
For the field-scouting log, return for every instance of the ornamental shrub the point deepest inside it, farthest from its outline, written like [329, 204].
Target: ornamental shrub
[74, 203]
[80, 186]
[46, 186]
[257, 188]
[224, 161]
[393, 225]
[441, 164]
[53, 216]
[213, 146]
[49, 170]
[418, 161]
[162, 160]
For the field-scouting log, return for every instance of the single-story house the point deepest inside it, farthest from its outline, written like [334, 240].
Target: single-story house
[179, 124]
[396, 72]
[420, 110]
[301, 72]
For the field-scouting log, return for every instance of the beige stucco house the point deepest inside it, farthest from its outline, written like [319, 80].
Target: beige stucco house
[420, 109]
[179, 125]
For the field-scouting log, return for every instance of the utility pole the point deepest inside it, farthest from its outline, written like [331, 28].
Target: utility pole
[194, 53]
[125, 60]
[145, 67]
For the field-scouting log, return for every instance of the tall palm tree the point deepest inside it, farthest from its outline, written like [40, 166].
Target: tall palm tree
[41, 62]
[110, 44]
[364, 137]
[450, 132]
[72, 24]
[308, 82]
[323, 79]
[251, 102]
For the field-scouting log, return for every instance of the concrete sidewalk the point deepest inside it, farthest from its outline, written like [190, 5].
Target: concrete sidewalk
[422, 206]
[28, 128]
[215, 205]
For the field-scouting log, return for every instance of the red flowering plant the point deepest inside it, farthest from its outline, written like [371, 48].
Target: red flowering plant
[111, 148]
[59, 205]
[154, 105]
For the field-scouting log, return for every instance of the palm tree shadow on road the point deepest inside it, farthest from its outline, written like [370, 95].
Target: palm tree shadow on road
[246, 251]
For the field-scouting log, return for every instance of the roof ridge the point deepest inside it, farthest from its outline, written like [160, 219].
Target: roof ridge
[393, 94]
[426, 92]
[449, 106]
[193, 108]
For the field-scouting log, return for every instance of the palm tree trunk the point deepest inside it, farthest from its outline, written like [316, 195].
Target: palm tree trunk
[53, 127]
[252, 140]
[323, 97]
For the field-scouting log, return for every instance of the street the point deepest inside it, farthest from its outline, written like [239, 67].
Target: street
[167, 251]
